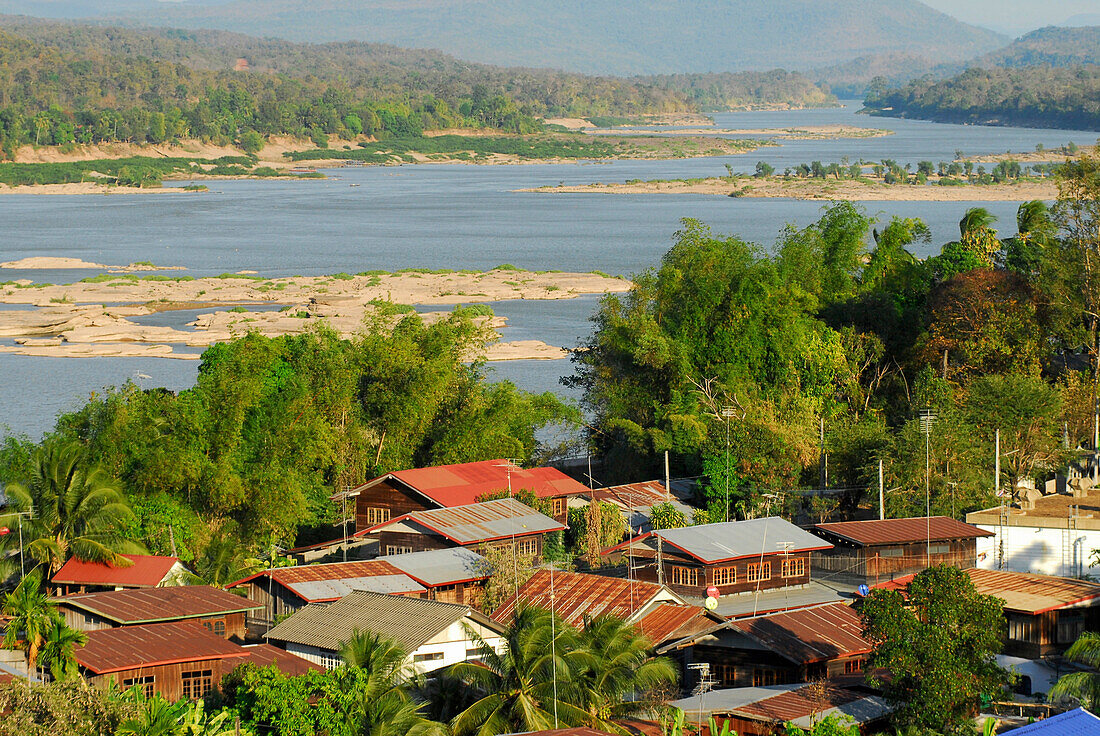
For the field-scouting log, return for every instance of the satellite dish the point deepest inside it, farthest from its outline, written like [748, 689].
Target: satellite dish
[711, 603]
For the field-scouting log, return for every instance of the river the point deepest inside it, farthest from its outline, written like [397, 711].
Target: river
[444, 216]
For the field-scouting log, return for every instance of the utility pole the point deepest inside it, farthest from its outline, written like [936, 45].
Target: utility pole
[926, 419]
[727, 413]
[881, 494]
[668, 480]
[821, 456]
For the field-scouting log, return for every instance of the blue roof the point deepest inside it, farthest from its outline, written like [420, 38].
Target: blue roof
[1071, 723]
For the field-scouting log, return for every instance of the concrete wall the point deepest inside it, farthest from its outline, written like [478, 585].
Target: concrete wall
[1040, 550]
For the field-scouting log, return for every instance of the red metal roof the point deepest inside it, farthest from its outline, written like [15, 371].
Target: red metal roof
[673, 621]
[129, 647]
[265, 655]
[148, 605]
[460, 485]
[808, 635]
[799, 703]
[899, 531]
[578, 595]
[147, 571]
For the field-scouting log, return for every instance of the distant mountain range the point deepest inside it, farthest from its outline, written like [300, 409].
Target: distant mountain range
[1057, 46]
[591, 36]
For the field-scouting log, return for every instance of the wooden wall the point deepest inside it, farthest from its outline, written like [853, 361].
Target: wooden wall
[879, 563]
[707, 573]
[390, 495]
[168, 678]
[81, 620]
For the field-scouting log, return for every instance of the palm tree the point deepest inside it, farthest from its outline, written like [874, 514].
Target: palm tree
[1081, 686]
[528, 687]
[622, 678]
[31, 617]
[975, 220]
[73, 510]
[222, 562]
[387, 709]
[157, 717]
[58, 652]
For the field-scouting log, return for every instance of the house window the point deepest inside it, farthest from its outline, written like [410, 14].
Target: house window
[725, 674]
[725, 575]
[89, 618]
[939, 549]
[687, 576]
[1020, 628]
[761, 678]
[475, 653]
[758, 572]
[375, 516]
[1070, 626]
[557, 506]
[398, 549]
[219, 627]
[197, 683]
[794, 568]
[330, 660]
[853, 666]
[144, 684]
[428, 657]
[891, 552]
[527, 547]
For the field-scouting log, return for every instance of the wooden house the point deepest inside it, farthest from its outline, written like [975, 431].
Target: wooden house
[435, 634]
[217, 611]
[1045, 614]
[734, 557]
[802, 645]
[635, 501]
[502, 523]
[455, 575]
[144, 571]
[870, 552]
[176, 660]
[445, 486]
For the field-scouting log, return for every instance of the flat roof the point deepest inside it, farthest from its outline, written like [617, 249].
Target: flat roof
[899, 531]
[152, 605]
[1051, 511]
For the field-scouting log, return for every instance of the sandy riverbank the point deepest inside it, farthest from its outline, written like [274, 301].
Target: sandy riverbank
[34, 263]
[847, 190]
[71, 319]
[810, 132]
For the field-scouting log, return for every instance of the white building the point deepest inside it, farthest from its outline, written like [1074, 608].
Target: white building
[435, 634]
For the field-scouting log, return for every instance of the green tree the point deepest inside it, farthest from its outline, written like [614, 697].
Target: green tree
[530, 686]
[1084, 687]
[58, 652]
[937, 645]
[223, 561]
[156, 717]
[31, 618]
[75, 510]
[48, 709]
[621, 678]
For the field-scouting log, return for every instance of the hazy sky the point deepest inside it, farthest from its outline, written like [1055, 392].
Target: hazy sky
[1016, 16]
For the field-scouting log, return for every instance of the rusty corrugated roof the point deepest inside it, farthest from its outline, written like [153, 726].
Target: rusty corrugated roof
[578, 595]
[478, 522]
[644, 494]
[147, 571]
[297, 579]
[465, 483]
[900, 531]
[265, 655]
[128, 647]
[1020, 591]
[673, 621]
[808, 635]
[791, 706]
[150, 605]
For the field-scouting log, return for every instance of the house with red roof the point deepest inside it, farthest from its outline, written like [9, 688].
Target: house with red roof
[445, 486]
[876, 550]
[144, 571]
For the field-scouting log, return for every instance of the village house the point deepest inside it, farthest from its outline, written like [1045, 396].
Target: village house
[1045, 614]
[217, 611]
[1052, 534]
[174, 660]
[734, 557]
[802, 645]
[446, 486]
[455, 575]
[145, 571]
[869, 552]
[765, 711]
[434, 634]
[501, 523]
[636, 502]
[281, 591]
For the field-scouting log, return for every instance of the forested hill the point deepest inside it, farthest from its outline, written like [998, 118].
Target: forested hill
[1035, 96]
[591, 36]
[1053, 45]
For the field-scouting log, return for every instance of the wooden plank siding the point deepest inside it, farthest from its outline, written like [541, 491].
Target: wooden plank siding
[392, 543]
[167, 679]
[390, 495]
[729, 577]
[229, 625]
[1050, 632]
[871, 565]
[731, 667]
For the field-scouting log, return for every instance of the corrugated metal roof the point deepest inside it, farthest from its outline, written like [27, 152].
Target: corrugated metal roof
[767, 601]
[464, 484]
[289, 577]
[149, 605]
[331, 590]
[1021, 591]
[408, 621]
[479, 522]
[1077, 722]
[674, 621]
[734, 540]
[636, 500]
[899, 531]
[265, 655]
[113, 650]
[147, 571]
[809, 701]
[808, 635]
[577, 595]
[441, 566]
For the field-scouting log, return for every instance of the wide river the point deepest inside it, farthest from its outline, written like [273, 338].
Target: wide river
[443, 216]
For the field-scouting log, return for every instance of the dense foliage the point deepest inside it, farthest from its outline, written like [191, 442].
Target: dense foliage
[822, 333]
[1053, 45]
[1035, 96]
[935, 645]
